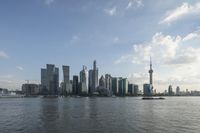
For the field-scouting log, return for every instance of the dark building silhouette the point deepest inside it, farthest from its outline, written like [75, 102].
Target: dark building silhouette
[75, 85]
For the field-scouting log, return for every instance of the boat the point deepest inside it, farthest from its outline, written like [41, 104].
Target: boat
[11, 95]
[153, 98]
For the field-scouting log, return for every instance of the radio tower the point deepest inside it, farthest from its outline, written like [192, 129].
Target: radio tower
[151, 73]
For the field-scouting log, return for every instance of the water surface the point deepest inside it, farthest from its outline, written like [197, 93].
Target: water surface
[100, 115]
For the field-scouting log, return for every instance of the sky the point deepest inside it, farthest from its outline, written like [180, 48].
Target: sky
[120, 34]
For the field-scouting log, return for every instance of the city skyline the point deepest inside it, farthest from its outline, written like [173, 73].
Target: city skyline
[117, 34]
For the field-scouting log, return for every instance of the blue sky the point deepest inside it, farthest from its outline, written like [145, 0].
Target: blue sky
[120, 35]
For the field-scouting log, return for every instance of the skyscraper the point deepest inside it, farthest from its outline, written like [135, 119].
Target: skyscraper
[84, 80]
[123, 86]
[50, 79]
[147, 89]
[93, 78]
[66, 74]
[75, 85]
[170, 90]
[67, 86]
[115, 86]
[90, 81]
[44, 81]
[108, 82]
[178, 91]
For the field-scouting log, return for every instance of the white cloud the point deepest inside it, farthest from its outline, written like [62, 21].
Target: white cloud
[20, 68]
[134, 3]
[48, 2]
[191, 36]
[178, 63]
[3, 55]
[181, 11]
[111, 12]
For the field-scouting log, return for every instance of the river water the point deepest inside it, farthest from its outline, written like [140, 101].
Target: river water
[100, 115]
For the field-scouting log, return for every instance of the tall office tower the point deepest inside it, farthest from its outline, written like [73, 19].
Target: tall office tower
[102, 82]
[90, 81]
[66, 73]
[84, 80]
[44, 81]
[120, 86]
[75, 85]
[115, 87]
[108, 81]
[67, 86]
[50, 79]
[56, 79]
[136, 90]
[170, 90]
[178, 90]
[151, 73]
[147, 89]
[131, 89]
[125, 86]
[94, 77]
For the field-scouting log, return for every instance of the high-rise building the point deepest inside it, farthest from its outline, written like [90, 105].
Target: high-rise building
[131, 89]
[67, 86]
[120, 86]
[90, 81]
[123, 86]
[147, 89]
[178, 90]
[30, 89]
[115, 86]
[136, 89]
[84, 80]
[75, 86]
[44, 81]
[108, 82]
[66, 74]
[93, 78]
[50, 79]
[102, 82]
[170, 90]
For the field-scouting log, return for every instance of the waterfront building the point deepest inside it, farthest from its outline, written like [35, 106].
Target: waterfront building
[170, 90]
[108, 82]
[131, 89]
[4, 91]
[123, 86]
[115, 87]
[75, 85]
[101, 89]
[67, 85]
[93, 78]
[90, 81]
[147, 89]
[136, 89]
[178, 93]
[84, 80]
[102, 82]
[50, 79]
[30, 89]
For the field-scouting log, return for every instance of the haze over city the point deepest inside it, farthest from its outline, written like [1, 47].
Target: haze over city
[120, 35]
